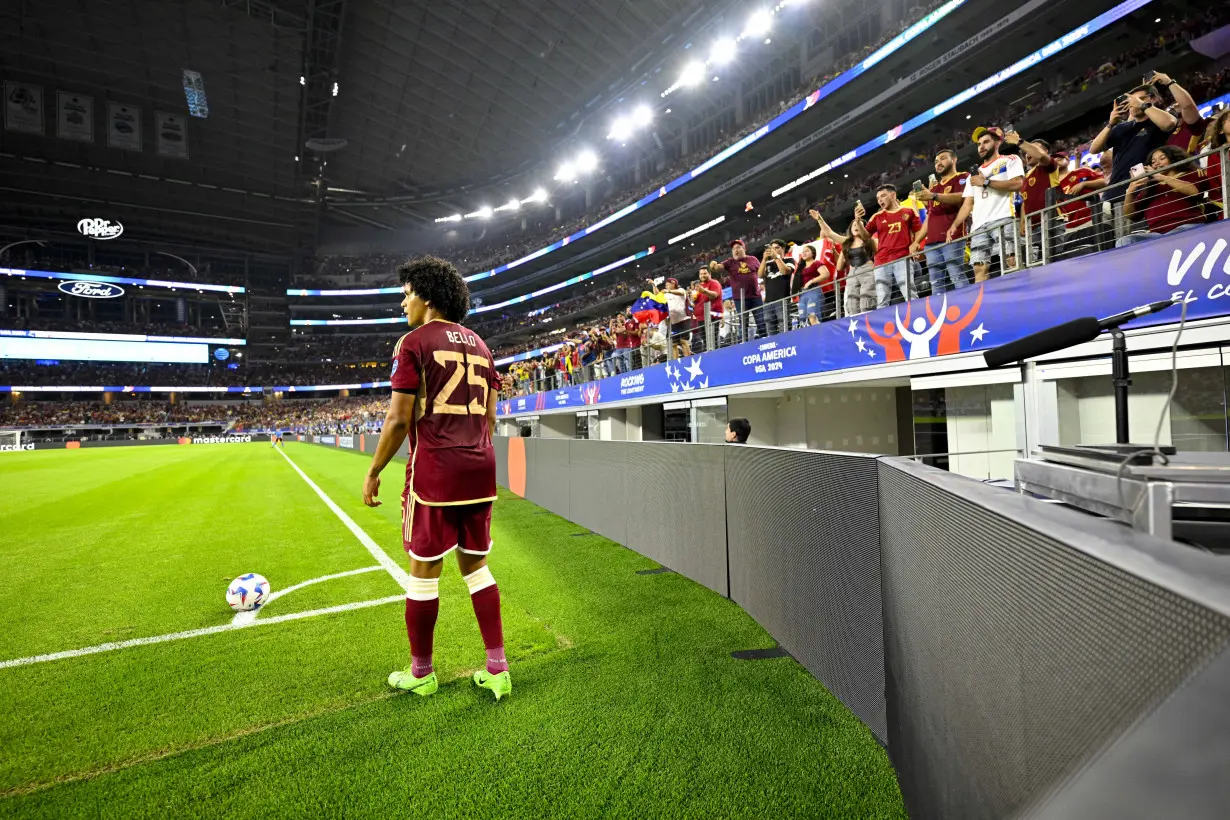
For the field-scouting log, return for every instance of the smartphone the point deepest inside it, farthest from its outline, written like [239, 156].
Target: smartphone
[932, 181]
[1148, 76]
[1121, 100]
[1138, 170]
[918, 186]
[1008, 129]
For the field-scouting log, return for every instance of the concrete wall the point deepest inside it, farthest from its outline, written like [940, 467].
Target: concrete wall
[849, 419]
[981, 418]
[632, 419]
[563, 425]
[852, 419]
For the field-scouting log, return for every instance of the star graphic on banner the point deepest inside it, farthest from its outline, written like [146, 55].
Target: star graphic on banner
[693, 370]
[862, 346]
[979, 332]
[674, 387]
[853, 326]
[871, 353]
[704, 384]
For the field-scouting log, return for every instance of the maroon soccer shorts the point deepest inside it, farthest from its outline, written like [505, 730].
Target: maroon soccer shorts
[429, 533]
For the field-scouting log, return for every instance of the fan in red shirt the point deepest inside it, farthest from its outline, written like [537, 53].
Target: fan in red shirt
[444, 399]
[1075, 185]
[706, 297]
[818, 262]
[894, 228]
[1190, 127]
[945, 260]
[1171, 200]
[1041, 175]
[1216, 139]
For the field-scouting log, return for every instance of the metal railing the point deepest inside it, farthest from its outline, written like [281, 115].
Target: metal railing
[1069, 226]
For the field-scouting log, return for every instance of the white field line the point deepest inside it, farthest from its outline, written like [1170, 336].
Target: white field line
[194, 633]
[399, 575]
[250, 615]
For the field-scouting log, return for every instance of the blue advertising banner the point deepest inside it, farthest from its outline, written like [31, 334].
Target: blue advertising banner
[1191, 264]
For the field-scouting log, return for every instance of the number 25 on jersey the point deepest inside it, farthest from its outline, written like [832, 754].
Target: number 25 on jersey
[442, 402]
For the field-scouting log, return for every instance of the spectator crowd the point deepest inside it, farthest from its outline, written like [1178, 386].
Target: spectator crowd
[336, 416]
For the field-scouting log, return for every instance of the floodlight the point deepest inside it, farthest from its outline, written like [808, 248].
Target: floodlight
[693, 73]
[758, 24]
[723, 51]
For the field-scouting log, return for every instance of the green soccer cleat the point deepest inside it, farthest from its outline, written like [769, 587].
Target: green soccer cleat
[402, 679]
[500, 684]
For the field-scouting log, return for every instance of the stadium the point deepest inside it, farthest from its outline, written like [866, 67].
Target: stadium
[814, 408]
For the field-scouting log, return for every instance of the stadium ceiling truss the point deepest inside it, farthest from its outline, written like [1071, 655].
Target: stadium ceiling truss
[440, 100]
[435, 103]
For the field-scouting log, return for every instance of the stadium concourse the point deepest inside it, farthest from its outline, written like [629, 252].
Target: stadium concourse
[740, 272]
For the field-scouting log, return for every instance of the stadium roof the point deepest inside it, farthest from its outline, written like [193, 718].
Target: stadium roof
[432, 99]
[437, 98]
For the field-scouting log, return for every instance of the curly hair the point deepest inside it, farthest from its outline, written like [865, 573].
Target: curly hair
[1215, 134]
[439, 284]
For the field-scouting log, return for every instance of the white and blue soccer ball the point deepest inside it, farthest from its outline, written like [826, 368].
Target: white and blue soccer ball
[248, 592]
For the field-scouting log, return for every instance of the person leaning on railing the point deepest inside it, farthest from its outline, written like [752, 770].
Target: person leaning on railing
[1170, 198]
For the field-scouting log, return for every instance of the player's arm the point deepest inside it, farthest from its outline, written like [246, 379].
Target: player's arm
[396, 425]
[491, 402]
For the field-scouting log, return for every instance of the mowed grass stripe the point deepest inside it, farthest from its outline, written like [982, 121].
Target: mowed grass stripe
[628, 705]
[152, 551]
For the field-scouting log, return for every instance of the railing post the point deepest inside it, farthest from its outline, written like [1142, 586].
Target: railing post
[1045, 227]
[1224, 152]
[708, 331]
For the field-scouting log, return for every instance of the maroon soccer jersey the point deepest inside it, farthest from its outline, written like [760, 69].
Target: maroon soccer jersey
[894, 232]
[450, 371]
[940, 217]
[1038, 180]
[742, 275]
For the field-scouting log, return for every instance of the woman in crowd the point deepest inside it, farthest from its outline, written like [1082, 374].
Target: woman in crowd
[854, 262]
[1170, 199]
[815, 297]
[1215, 139]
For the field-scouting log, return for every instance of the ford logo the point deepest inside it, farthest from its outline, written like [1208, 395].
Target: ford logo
[100, 228]
[91, 290]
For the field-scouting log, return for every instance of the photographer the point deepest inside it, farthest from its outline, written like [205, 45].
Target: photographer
[1170, 198]
[1136, 127]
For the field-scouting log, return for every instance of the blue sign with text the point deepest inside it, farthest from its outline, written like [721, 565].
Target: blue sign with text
[1192, 264]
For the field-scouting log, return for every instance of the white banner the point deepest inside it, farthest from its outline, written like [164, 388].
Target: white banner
[124, 126]
[23, 107]
[74, 116]
[171, 132]
[346, 441]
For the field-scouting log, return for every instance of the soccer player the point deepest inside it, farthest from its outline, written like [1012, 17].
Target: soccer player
[444, 398]
[276, 438]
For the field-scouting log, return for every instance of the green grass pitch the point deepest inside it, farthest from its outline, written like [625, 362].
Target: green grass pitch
[626, 702]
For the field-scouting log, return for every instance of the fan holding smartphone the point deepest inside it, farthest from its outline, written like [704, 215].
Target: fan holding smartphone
[1136, 127]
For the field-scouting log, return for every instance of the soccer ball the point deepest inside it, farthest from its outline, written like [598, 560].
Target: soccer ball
[248, 592]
